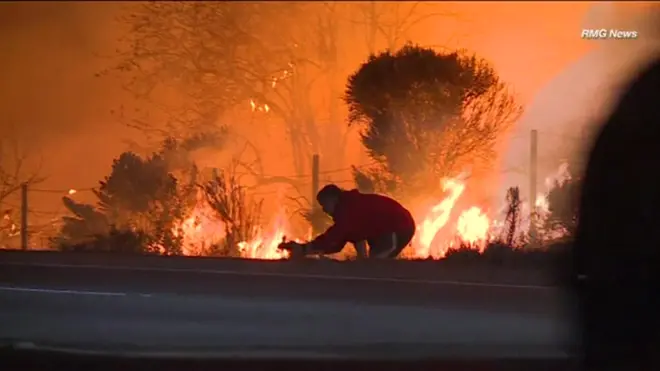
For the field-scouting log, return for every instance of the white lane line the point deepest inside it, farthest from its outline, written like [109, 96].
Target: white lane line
[285, 275]
[60, 291]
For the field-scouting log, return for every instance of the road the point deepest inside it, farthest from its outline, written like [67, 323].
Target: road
[140, 304]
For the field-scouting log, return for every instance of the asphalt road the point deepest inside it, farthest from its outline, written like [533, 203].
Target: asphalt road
[228, 306]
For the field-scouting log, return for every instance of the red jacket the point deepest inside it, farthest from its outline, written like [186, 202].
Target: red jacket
[361, 216]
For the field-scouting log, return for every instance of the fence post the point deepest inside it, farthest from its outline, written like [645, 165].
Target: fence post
[24, 216]
[533, 163]
[315, 189]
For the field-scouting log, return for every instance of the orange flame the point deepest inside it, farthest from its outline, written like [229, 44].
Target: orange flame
[201, 229]
[437, 230]
[265, 246]
[428, 229]
[472, 225]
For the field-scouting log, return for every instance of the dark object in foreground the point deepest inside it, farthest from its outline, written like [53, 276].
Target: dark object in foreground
[45, 360]
[618, 241]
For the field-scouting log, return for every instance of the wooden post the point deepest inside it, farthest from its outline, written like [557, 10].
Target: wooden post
[533, 163]
[24, 216]
[315, 189]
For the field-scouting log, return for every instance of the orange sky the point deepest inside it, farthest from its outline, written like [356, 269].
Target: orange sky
[50, 92]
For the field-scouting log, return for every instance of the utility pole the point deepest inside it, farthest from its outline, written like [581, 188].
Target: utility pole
[533, 163]
[315, 190]
[24, 216]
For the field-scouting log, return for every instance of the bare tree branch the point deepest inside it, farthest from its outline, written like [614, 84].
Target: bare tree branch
[240, 214]
[12, 168]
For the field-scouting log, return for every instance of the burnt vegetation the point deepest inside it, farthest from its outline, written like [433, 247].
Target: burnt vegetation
[240, 213]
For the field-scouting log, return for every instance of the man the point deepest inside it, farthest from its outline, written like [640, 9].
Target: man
[360, 218]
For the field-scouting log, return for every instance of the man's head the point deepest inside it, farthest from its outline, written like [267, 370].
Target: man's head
[328, 197]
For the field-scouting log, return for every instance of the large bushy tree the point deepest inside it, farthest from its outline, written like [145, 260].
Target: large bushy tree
[426, 115]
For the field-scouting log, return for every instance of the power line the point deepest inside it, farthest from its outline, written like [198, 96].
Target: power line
[47, 213]
[332, 171]
[70, 191]
[563, 135]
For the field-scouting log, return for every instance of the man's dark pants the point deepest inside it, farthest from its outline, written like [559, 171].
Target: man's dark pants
[389, 245]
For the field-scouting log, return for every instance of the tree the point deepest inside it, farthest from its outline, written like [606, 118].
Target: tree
[427, 113]
[139, 197]
[272, 57]
[216, 54]
[391, 21]
[220, 55]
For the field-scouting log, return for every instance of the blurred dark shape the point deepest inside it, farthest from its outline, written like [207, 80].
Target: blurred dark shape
[618, 235]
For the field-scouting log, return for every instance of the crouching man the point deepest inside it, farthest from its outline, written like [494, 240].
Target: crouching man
[360, 218]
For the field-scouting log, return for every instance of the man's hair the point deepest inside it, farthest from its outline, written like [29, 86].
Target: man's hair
[329, 191]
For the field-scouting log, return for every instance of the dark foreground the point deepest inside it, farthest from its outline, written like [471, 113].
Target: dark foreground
[209, 307]
[48, 360]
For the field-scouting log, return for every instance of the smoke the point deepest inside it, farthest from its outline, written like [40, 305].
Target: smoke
[570, 107]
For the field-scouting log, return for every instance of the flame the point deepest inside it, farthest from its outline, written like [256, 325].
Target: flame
[265, 246]
[72, 191]
[436, 220]
[201, 229]
[259, 107]
[439, 229]
[472, 225]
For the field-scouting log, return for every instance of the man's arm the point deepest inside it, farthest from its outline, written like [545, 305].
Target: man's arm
[330, 242]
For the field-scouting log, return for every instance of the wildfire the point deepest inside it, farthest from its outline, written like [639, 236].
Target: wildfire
[265, 246]
[473, 226]
[438, 229]
[437, 218]
[201, 229]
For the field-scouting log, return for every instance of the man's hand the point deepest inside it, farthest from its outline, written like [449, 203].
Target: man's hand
[294, 248]
[361, 249]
